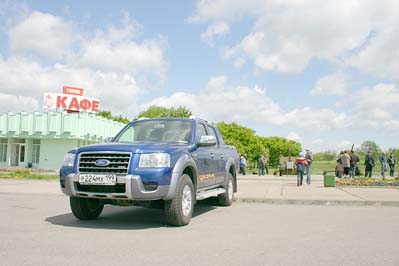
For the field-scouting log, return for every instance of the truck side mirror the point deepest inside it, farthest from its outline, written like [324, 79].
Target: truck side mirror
[207, 141]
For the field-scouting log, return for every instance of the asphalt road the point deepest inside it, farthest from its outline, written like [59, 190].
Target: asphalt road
[40, 230]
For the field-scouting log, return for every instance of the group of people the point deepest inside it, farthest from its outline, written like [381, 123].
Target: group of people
[303, 165]
[384, 161]
[347, 164]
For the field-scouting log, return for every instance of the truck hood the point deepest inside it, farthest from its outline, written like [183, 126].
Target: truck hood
[139, 147]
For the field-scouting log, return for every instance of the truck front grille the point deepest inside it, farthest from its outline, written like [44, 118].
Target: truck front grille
[118, 163]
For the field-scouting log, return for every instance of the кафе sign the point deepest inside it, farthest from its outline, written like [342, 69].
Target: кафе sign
[72, 99]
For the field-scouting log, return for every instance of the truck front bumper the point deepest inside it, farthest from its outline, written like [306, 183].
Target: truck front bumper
[130, 187]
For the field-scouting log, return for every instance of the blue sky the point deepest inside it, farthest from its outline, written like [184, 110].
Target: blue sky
[324, 74]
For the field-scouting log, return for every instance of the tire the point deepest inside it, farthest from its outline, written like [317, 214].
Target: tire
[226, 199]
[85, 208]
[179, 210]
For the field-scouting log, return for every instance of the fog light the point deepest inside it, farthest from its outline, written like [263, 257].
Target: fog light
[150, 186]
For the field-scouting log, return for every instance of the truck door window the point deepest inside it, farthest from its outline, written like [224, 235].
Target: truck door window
[200, 132]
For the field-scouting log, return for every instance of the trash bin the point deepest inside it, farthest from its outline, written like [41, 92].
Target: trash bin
[329, 181]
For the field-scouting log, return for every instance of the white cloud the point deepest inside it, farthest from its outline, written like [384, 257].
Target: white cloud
[335, 84]
[371, 107]
[111, 65]
[220, 28]
[116, 91]
[220, 101]
[14, 103]
[286, 35]
[294, 136]
[42, 34]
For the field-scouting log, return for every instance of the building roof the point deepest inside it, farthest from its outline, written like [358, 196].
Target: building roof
[84, 126]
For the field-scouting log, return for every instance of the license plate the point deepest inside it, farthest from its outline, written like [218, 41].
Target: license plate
[90, 179]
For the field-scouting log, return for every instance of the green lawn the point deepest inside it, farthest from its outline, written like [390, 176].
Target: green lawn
[26, 174]
[319, 166]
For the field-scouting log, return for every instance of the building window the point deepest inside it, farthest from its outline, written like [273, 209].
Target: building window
[36, 151]
[3, 151]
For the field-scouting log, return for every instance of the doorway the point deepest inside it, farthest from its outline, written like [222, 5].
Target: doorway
[18, 154]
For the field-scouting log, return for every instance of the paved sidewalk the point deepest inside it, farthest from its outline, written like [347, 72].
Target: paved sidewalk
[283, 190]
[251, 188]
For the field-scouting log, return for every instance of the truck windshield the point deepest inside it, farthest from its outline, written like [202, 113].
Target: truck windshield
[157, 130]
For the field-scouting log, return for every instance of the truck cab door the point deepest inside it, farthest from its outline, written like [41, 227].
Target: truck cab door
[204, 158]
[219, 154]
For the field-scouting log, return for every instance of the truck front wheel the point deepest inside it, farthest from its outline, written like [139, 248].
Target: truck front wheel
[179, 210]
[85, 208]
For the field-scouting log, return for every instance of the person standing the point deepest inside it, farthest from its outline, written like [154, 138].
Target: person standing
[261, 165]
[383, 162]
[353, 164]
[309, 160]
[340, 168]
[346, 162]
[391, 163]
[266, 163]
[300, 164]
[369, 162]
[243, 164]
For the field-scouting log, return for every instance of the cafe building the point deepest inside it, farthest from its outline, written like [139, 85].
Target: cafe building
[41, 140]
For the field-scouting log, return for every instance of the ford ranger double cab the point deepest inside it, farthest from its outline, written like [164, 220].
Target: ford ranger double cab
[162, 162]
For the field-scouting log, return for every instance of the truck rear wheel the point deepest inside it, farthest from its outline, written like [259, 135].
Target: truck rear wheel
[226, 199]
[85, 208]
[179, 210]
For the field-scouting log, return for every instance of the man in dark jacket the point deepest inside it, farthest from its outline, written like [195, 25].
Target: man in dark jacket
[369, 162]
[353, 164]
[391, 163]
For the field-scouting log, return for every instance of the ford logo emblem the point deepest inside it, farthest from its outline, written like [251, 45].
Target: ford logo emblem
[102, 162]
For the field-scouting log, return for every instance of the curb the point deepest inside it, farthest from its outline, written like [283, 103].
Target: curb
[318, 202]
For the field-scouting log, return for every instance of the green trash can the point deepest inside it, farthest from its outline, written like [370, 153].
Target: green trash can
[329, 181]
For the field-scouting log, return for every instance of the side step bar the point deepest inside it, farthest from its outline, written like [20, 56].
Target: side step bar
[210, 193]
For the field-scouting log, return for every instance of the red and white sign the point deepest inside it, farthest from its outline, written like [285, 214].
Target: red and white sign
[70, 102]
[72, 91]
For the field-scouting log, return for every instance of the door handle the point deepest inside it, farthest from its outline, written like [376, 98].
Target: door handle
[212, 156]
[221, 156]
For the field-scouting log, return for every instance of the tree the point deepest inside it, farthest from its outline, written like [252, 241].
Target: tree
[369, 145]
[108, 115]
[155, 111]
[254, 146]
[279, 146]
[243, 139]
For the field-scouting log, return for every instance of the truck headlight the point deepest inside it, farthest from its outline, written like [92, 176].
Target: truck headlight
[69, 159]
[154, 160]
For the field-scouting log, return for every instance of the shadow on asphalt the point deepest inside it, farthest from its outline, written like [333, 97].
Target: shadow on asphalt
[128, 218]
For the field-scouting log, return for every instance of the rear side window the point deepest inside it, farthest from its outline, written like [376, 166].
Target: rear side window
[200, 131]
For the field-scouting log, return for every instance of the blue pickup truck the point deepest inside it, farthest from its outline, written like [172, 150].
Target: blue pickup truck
[164, 162]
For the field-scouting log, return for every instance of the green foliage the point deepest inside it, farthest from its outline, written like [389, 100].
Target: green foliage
[325, 156]
[242, 138]
[253, 146]
[108, 115]
[26, 174]
[395, 153]
[155, 111]
[279, 146]
[370, 145]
